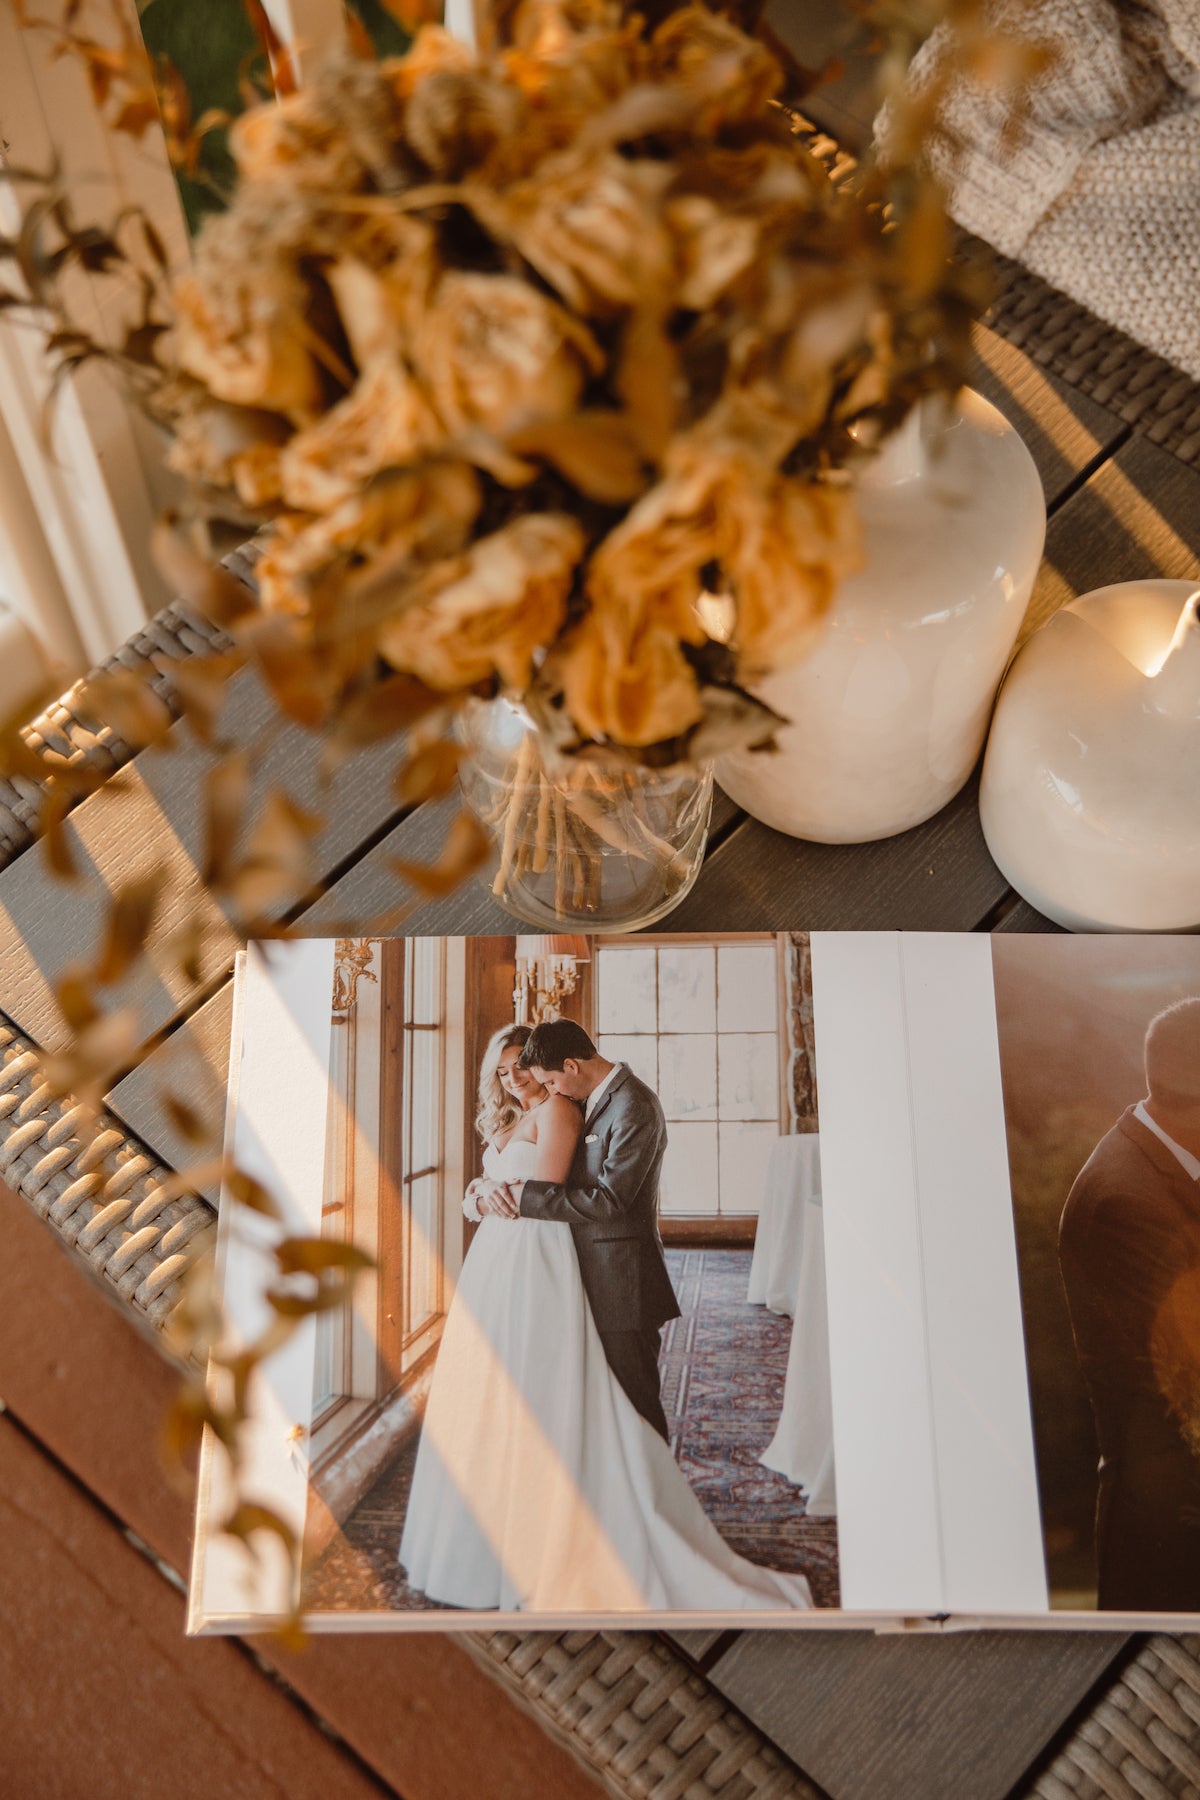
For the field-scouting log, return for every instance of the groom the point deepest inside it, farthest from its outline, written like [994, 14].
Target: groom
[1129, 1248]
[610, 1201]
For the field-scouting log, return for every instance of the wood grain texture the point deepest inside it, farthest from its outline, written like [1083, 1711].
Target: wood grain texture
[1064, 431]
[79, 1378]
[194, 1062]
[937, 877]
[151, 816]
[935, 1717]
[149, 1714]
[1138, 516]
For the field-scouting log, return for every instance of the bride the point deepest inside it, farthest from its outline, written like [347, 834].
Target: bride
[537, 1484]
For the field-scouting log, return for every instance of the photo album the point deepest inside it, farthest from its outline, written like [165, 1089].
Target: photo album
[832, 1279]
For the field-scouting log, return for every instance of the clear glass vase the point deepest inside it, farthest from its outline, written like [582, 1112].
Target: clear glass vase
[603, 845]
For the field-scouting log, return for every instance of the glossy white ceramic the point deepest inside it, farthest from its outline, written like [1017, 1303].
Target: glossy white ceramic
[1091, 785]
[887, 716]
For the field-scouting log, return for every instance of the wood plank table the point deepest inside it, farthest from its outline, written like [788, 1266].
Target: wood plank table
[100, 1693]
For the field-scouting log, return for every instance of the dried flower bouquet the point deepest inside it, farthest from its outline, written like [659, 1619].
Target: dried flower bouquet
[541, 371]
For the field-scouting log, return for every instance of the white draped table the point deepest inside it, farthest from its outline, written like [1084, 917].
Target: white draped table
[802, 1448]
[793, 1177]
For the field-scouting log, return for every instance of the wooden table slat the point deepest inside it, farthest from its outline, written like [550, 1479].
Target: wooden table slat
[931, 1717]
[420, 1711]
[1064, 430]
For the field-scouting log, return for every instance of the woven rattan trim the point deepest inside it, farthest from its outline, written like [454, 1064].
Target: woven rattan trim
[172, 634]
[102, 1194]
[1059, 334]
[1140, 1741]
[631, 1709]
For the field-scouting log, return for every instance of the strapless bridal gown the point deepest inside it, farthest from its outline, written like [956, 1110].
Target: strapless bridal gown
[537, 1485]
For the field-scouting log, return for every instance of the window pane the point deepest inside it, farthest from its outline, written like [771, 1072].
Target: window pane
[424, 1069]
[626, 990]
[749, 1076]
[687, 988]
[689, 1179]
[638, 1052]
[746, 987]
[688, 1075]
[424, 1006]
[424, 1283]
[745, 1150]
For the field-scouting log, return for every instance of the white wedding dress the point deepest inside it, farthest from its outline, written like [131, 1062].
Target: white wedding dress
[537, 1485]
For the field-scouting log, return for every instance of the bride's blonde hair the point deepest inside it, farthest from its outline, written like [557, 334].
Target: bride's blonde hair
[498, 1111]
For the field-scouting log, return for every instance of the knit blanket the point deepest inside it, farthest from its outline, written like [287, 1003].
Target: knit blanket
[1100, 193]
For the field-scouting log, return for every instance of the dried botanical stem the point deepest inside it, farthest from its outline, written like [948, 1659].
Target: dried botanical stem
[524, 762]
[560, 860]
[541, 848]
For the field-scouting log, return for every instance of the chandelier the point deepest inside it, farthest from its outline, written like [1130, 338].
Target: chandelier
[547, 971]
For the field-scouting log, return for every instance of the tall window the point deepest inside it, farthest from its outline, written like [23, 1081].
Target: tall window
[700, 1023]
[422, 1173]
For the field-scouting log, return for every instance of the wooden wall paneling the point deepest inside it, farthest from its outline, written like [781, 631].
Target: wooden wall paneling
[937, 1717]
[419, 1710]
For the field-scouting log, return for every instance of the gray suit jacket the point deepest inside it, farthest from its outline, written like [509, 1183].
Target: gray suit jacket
[610, 1201]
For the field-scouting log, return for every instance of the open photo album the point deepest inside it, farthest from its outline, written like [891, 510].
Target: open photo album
[773, 1279]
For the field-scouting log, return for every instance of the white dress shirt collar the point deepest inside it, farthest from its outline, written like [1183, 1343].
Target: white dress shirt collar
[593, 1099]
[1188, 1162]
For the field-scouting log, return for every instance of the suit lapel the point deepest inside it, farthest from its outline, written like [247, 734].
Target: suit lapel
[618, 1081]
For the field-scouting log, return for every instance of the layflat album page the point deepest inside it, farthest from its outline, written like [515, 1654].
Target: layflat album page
[774, 1279]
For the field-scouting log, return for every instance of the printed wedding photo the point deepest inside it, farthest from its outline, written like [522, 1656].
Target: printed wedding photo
[1100, 1059]
[587, 1371]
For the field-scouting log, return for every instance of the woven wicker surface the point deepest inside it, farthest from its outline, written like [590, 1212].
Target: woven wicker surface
[638, 1715]
[1059, 334]
[102, 1193]
[1142, 1740]
[172, 634]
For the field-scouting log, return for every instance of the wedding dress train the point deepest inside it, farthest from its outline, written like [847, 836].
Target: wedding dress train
[537, 1485]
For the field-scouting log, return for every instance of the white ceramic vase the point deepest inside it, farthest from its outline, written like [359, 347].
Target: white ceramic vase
[888, 715]
[1090, 800]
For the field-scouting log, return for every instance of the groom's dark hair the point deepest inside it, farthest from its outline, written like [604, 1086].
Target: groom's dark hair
[549, 1045]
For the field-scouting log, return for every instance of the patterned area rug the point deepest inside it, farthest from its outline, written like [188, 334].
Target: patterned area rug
[723, 1364]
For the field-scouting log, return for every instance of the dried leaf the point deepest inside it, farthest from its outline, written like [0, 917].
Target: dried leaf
[58, 845]
[126, 703]
[225, 791]
[184, 1118]
[649, 381]
[249, 1518]
[466, 849]
[429, 773]
[278, 866]
[250, 1192]
[196, 578]
[201, 683]
[98, 1055]
[130, 917]
[298, 676]
[598, 452]
[326, 1297]
[313, 1256]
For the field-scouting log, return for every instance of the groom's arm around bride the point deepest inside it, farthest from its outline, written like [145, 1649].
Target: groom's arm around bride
[610, 1199]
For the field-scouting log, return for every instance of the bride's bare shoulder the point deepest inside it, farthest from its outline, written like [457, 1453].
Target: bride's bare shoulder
[559, 1113]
